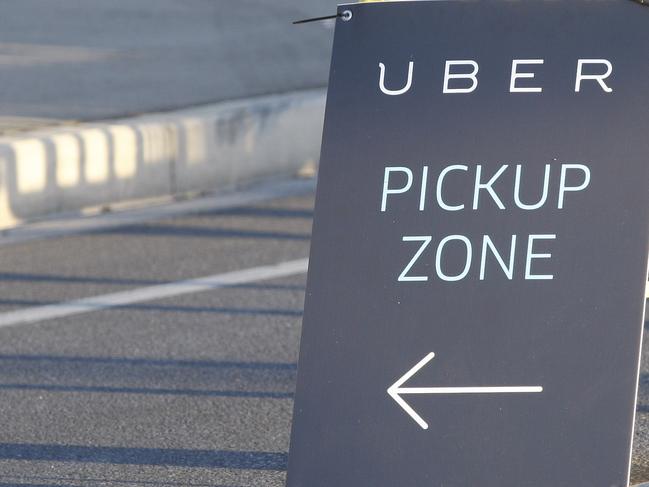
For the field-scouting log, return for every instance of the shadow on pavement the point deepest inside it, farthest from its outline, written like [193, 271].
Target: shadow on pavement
[76, 481]
[152, 362]
[196, 231]
[52, 278]
[174, 308]
[145, 390]
[165, 377]
[247, 460]
[3, 484]
[261, 212]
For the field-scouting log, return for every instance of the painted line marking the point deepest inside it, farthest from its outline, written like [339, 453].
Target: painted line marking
[395, 390]
[150, 293]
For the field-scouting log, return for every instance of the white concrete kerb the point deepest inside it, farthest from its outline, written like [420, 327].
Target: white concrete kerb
[208, 148]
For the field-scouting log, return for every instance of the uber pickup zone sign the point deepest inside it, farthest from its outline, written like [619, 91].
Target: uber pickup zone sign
[475, 296]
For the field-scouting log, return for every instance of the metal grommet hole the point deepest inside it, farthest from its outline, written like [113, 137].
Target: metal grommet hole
[347, 15]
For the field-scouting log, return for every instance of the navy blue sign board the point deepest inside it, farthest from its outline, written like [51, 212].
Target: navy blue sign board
[475, 295]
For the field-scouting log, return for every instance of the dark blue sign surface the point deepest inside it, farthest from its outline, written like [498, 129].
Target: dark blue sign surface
[476, 287]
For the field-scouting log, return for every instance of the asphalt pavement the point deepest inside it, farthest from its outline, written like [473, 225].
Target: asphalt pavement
[189, 388]
[97, 59]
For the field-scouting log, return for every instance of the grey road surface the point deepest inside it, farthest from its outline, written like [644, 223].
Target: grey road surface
[95, 59]
[190, 390]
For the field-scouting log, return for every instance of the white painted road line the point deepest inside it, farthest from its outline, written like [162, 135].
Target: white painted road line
[150, 293]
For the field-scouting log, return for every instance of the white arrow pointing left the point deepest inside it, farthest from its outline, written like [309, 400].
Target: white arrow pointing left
[395, 391]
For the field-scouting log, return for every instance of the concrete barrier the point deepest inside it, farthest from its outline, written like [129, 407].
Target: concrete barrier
[221, 146]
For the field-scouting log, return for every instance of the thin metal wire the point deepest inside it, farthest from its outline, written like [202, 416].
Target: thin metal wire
[316, 19]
